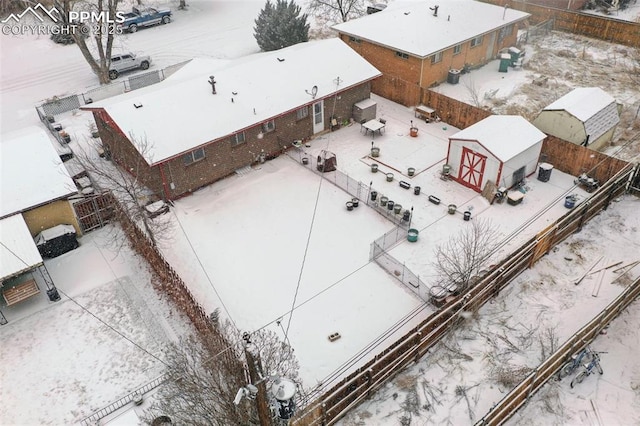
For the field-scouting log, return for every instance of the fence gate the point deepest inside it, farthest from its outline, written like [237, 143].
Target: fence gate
[95, 211]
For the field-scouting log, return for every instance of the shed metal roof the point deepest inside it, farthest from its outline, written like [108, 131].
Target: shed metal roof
[503, 135]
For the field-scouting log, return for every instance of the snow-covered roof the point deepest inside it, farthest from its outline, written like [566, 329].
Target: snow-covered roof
[180, 114]
[582, 102]
[503, 135]
[412, 27]
[18, 252]
[591, 105]
[32, 172]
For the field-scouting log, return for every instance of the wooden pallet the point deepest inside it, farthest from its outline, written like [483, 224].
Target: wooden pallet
[20, 292]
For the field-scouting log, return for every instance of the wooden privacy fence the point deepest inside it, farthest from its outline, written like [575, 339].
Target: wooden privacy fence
[358, 386]
[452, 111]
[601, 27]
[545, 371]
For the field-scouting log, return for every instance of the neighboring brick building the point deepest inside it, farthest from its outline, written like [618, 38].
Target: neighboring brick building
[416, 44]
[178, 136]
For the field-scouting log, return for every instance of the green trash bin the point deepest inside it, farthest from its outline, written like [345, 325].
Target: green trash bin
[515, 55]
[505, 61]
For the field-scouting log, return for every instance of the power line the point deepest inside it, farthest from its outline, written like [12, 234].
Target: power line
[313, 218]
[92, 314]
[205, 271]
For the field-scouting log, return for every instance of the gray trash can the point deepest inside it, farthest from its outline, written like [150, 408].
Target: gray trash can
[453, 77]
[544, 172]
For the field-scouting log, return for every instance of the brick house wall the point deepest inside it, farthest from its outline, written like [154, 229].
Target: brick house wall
[405, 75]
[173, 178]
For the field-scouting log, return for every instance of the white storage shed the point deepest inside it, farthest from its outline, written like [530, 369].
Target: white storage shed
[586, 116]
[501, 148]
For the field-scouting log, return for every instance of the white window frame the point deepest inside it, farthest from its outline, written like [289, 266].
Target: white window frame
[477, 41]
[268, 126]
[193, 156]
[302, 113]
[436, 58]
[457, 49]
[238, 139]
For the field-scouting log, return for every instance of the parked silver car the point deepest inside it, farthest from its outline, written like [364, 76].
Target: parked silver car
[127, 62]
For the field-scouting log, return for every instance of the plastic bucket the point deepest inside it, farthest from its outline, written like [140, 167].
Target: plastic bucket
[389, 177]
[383, 201]
[375, 151]
[412, 235]
[569, 202]
[374, 168]
[397, 208]
[411, 171]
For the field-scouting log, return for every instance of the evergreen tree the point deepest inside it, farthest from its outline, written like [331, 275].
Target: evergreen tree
[280, 26]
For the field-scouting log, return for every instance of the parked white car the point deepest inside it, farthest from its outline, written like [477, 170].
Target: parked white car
[127, 62]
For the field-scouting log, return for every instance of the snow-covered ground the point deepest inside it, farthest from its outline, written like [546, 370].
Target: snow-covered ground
[249, 233]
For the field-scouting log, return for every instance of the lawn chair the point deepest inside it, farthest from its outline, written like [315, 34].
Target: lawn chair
[362, 128]
[383, 121]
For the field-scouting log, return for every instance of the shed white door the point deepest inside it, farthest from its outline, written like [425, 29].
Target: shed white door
[472, 169]
[318, 117]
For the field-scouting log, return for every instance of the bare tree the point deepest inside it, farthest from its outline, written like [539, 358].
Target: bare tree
[205, 377]
[94, 39]
[128, 186]
[460, 259]
[202, 385]
[338, 10]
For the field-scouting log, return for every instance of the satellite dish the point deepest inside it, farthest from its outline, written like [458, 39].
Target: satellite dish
[314, 91]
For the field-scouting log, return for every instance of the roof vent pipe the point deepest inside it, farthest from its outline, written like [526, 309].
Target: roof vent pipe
[435, 10]
[212, 82]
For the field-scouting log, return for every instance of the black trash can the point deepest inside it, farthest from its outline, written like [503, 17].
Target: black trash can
[544, 172]
[406, 215]
[453, 77]
[53, 294]
[390, 205]
[374, 195]
[466, 215]
[416, 190]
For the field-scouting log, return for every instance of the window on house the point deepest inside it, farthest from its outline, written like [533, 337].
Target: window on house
[193, 156]
[237, 139]
[355, 40]
[436, 58]
[268, 126]
[457, 49]
[302, 113]
[476, 41]
[402, 55]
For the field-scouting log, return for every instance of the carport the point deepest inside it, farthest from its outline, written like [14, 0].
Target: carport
[19, 260]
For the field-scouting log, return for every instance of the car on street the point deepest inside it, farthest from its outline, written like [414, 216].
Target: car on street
[127, 62]
[145, 18]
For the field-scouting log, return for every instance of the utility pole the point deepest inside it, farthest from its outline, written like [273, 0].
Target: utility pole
[264, 413]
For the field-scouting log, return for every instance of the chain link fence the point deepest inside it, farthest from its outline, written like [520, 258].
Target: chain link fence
[535, 31]
[400, 218]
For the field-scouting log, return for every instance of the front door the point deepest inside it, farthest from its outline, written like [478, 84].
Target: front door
[491, 46]
[318, 117]
[472, 169]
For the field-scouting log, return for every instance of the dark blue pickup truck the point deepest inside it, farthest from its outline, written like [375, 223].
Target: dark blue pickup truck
[144, 18]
